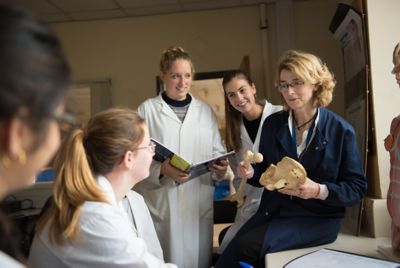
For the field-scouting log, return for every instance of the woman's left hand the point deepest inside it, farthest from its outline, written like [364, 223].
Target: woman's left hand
[220, 167]
[308, 190]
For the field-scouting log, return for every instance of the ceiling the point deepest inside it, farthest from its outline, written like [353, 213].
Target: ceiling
[79, 10]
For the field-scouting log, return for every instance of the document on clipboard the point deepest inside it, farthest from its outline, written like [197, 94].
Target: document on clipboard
[195, 169]
[329, 258]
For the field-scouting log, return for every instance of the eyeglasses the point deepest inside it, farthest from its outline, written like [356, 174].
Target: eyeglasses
[151, 147]
[295, 85]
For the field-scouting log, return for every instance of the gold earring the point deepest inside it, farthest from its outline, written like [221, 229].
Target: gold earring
[22, 157]
[6, 161]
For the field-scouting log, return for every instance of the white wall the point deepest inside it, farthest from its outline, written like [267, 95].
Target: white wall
[383, 24]
[312, 20]
[128, 50]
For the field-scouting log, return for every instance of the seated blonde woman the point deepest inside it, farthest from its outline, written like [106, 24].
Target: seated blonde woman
[87, 226]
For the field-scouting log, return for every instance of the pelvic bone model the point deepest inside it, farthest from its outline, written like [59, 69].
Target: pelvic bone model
[288, 174]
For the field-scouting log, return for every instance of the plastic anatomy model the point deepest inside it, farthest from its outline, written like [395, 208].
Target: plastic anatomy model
[288, 174]
[249, 158]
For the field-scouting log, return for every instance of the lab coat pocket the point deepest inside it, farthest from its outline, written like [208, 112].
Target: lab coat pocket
[329, 170]
[252, 201]
[206, 201]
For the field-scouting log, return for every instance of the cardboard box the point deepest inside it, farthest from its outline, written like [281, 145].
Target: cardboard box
[376, 220]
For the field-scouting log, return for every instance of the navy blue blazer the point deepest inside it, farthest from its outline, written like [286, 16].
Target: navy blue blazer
[331, 158]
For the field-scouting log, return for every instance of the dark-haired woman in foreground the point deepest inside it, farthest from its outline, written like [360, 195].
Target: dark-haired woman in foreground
[34, 79]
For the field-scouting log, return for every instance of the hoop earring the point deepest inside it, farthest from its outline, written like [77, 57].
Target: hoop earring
[6, 161]
[22, 157]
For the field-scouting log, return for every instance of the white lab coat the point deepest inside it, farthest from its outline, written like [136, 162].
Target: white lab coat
[182, 214]
[253, 194]
[9, 262]
[139, 215]
[107, 239]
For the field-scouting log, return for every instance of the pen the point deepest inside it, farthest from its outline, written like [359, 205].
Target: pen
[245, 265]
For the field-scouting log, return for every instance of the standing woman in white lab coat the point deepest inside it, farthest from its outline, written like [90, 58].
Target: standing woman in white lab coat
[181, 207]
[244, 115]
[86, 225]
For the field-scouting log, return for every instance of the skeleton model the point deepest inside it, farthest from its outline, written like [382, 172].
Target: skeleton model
[288, 174]
[249, 158]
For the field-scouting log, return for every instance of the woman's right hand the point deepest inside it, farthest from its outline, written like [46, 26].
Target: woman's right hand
[168, 170]
[244, 171]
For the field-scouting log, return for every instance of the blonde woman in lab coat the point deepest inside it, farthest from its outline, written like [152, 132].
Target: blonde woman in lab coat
[87, 225]
[181, 207]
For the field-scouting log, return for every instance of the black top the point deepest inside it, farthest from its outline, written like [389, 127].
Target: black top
[176, 103]
[252, 127]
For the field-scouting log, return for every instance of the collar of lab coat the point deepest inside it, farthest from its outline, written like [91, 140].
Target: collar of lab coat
[247, 143]
[166, 109]
[108, 191]
[105, 185]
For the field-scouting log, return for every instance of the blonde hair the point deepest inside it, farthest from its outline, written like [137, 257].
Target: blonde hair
[310, 69]
[84, 155]
[170, 55]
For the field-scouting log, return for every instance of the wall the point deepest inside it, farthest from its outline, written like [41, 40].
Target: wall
[312, 20]
[128, 50]
[383, 24]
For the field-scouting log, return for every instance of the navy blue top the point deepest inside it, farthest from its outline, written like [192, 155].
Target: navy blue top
[332, 158]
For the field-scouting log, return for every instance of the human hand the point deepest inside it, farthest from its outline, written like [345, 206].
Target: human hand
[219, 167]
[307, 190]
[168, 170]
[244, 171]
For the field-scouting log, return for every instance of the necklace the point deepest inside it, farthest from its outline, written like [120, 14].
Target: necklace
[304, 124]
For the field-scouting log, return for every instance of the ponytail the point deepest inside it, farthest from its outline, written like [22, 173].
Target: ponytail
[73, 185]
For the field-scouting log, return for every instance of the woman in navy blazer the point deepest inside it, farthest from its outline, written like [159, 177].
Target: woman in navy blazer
[325, 144]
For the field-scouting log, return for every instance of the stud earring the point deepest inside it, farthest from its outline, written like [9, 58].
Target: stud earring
[22, 157]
